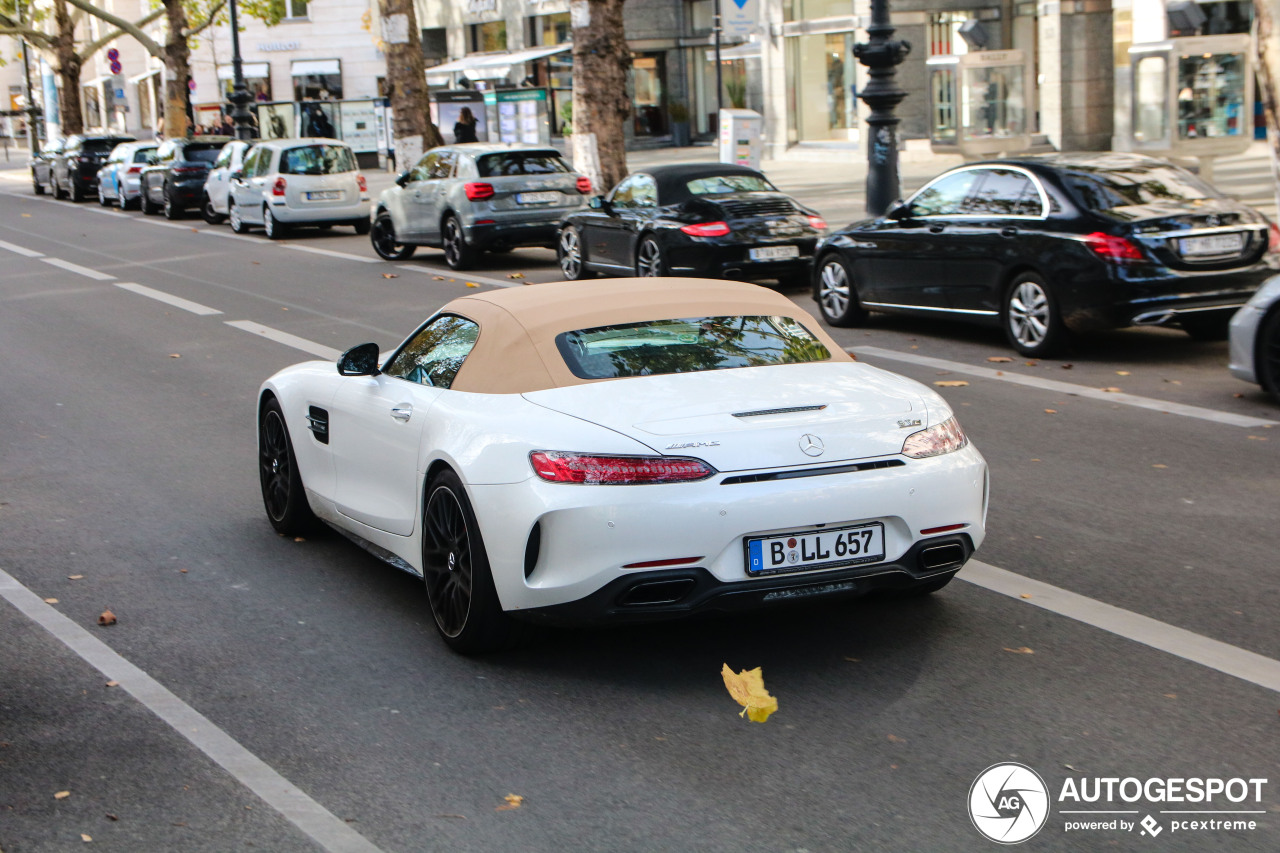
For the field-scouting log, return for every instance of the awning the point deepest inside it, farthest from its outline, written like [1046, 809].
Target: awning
[251, 71]
[487, 66]
[315, 66]
[746, 50]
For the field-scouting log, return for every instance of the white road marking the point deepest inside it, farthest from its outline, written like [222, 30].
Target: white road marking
[169, 299]
[1188, 645]
[324, 827]
[462, 276]
[78, 270]
[20, 250]
[318, 350]
[1229, 418]
[332, 254]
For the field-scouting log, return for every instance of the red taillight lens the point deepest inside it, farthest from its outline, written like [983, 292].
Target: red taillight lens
[362, 183]
[1112, 248]
[1273, 238]
[817, 223]
[584, 185]
[133, 170]
[558, 466]
[475, 192]
[278, 187]
[707, 229]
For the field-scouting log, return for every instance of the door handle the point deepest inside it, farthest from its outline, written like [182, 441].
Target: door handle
[1008, 231]
[402, 412]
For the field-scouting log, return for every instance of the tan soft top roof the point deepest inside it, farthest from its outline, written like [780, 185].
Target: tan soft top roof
[516, 350]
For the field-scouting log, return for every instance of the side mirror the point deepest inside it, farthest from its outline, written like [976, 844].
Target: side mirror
[898, 211]
[403, 178]
[360, 361]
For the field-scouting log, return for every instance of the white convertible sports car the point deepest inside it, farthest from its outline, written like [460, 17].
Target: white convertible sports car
[623, 449]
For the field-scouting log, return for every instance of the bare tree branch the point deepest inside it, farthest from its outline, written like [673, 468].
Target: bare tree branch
[93, 47]
[127, 27]
[213, 16]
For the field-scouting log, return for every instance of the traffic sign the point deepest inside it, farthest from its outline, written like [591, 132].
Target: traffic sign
[116, 67]
[113, 55]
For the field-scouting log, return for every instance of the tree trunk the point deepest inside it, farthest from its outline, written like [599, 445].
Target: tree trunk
[601, 60]
[407, 80]
[1267, 13]
[69, 62]
[177, 61]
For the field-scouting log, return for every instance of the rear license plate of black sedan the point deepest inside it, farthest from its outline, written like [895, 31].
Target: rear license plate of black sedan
[774, 253]
[1211, 245]
[829, 548]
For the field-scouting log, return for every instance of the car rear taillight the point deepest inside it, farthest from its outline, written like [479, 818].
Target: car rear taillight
[558, 466]
[706, 229]
[584, 184]
[362, 183]
[187, 170]
[133, 170]
[1273, 238]
[1112, 248]
[475, 192]
[278, 187]
[817, 223]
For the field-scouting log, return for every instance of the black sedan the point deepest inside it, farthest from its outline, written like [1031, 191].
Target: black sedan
[74, 168]
[702, 219]
[174, 182]
[1048, 245]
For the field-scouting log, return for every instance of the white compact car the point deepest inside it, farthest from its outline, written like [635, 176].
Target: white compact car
[119, 179]
[1255, 339]
[290, 182]
[217, 187]
[625, 449]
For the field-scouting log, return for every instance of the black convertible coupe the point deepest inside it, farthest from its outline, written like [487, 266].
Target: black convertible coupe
[702, 219]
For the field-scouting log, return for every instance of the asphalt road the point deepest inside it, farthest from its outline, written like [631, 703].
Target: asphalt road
[293, 695]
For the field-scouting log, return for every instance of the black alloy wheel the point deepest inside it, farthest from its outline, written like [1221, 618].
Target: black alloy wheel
[272, 227]
[283, 495]
[569, 253]
[1031, 318]
[649, 260]
[383, 238]
[837, 295]
[211, 215]
[457, 254]
[1267, 365]
[171, 210]
[455, 570]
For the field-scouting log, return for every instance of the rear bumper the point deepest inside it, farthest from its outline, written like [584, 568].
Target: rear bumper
[512, 234]
[337, 213]
[709, 259]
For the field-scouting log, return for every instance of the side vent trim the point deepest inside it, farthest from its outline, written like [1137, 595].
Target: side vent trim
[318, 423]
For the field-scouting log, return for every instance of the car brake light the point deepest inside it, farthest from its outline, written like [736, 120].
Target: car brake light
[278, 187]
[364, 185]
[133, 170]
[475, 192]
[706, 229]
[945, 437]
[584, 184]
[1273, 238]
[558, 466]
[817, 223]
[1112, 248]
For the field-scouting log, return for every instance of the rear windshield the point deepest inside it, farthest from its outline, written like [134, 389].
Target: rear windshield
[520, 163]
[716, 184]
[317, 160]
[100, 146]
[687, 345]
[1106, 190]
[200, 155]
[140, 156]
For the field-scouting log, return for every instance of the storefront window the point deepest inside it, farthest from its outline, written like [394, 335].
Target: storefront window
[648, 74]
[1210, 95]
[547, 30]
[807, 10]
[942, 104]
[317, 80]
[294, 8]
[1150, 114]
[992, 103]
[483, 38]
[820, 88]
[257, 78]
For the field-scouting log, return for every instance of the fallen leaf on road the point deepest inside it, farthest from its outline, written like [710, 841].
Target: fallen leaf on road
[85, 837]
[999, 358]
[110, 816]
[1171, 695]
[195, 230]
[1025, 595]
[1110, 390]
[183, 571]
[26, 216]
[1237, 395]
[455, 816]
[1067, 366]
[514, 801]
[951, 383]
[1021, 650]
[62, 795]
[74, 577]
[1035, 460]
[113, 684]
[282, 308]
[1069, 767]
[915, 346]
[896, 739]
[515, 275]
[175, 355]
[389, 275]
[1051, 411]
[1032, 363]
[1158, 465]
[107, 618]
[51, 601]
[437, 278]
[1257, 438]
[1122, 373]
[472, 284]
[747, 689]
[299, 539]
[256, 263]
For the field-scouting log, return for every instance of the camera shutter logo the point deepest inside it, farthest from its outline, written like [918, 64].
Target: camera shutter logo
[1008, 803]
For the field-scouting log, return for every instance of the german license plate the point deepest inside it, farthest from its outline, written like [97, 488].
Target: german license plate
[774, 253]
[1213, 244]
[537, 198]
[324, 195]
[818, 549]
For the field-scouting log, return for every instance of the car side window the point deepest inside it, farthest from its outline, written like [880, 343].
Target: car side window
[436, 353]
[623, 193]
[1004, 192]
[444, 165]
[224, 158]
[426, 166]
[945, 196]
[645, 193]
[263, 166]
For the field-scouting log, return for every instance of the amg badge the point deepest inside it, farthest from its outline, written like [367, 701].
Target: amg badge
[908, 422]
[684, 445]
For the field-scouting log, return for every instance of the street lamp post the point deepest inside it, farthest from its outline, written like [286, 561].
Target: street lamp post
[239, 96]
[719, 72]
[881, 55]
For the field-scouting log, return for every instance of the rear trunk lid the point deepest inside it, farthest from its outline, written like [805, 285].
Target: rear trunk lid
[751, 418]
[1208, 233]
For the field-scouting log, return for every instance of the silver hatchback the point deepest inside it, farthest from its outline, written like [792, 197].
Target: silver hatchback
[468, 199]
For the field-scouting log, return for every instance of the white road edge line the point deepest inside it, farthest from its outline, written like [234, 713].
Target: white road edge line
[1203, 414]
[21, 250]
[462, 276]
[306, 814]
[168, 299]
[78, 270]
[332, 254]
[318, 350]
[1188, 645]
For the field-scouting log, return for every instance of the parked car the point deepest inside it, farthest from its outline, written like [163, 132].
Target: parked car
[42, 167]
[289, 182]
[1047, 245]
[175, 180]
[477, 197]
[120, 178]
[740, 457]
[701, 219]
[1255, 339]
[75, 167]
[217, 186]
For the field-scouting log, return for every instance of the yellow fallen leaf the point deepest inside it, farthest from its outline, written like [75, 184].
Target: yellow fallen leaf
[84, 836]
[896, 739]
[437, 278]
[1122, 373]
[1257, 438]
[389, 275]
[107, 618]
[299, 539]
[747, 689]
[1158, 465]
[1171, 695]
[1001, 359]
[514, 801]
[1032, 364]
[1110, 390]
[1025, 595]
[175, 355]
[1035, 460]
[62, 795]
[113, 684]
[1051, 411]
[472, 284]
[51, 601]
[26, 216]
[1021, 650]
[951, 383]
[74, 577]
[515, 275]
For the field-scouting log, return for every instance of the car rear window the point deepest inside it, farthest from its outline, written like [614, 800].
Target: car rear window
[317, 160]
[193, 154]
[140, 156]
[520, 163]
[100, 146]
[717, 184]
[687, 345]
[1107, 190]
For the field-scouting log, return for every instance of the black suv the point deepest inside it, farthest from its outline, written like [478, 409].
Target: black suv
[74, 169]
[175, 180]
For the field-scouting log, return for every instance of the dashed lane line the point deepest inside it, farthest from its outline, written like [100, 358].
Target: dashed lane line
[78, 270]
[168, 298]
[331, 253]
[20, 250]
[1214, 415]
[318, 350]
[331, 833]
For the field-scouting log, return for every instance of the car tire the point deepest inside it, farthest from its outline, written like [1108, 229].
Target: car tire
[283, 495]
[272, 227]
[456, 574]
[383, 238]
[1031, 319]
[1267, 355]
[362, 226]
[212, 216]
[457, 254]
[837, 294]
[127, 204]
[238, 224]
[569, 253]
[76, 194]
[36, 186]
[171, 210]
[144, 201]
[53, 182]
[649, 260]
[1208, 328]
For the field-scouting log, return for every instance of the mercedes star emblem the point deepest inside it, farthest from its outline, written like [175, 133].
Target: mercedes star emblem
[811, 445]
